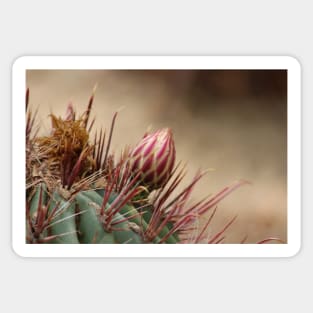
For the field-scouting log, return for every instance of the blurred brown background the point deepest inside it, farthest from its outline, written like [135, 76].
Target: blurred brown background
[234, 121]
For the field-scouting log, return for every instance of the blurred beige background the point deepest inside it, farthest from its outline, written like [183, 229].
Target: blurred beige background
[232, 121]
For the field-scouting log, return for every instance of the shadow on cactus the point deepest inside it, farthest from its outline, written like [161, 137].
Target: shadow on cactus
[78, 192]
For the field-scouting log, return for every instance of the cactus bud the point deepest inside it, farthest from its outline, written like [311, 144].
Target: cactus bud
[153, 158]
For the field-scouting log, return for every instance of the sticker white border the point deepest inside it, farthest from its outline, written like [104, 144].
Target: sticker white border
[156, 62]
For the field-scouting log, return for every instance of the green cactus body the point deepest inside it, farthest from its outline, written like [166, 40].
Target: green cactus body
[146, 218]
[38, 200]
[78, 221]
[63, 225]
[35, 199]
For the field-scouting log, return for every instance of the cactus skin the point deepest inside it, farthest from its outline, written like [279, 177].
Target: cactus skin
[78, 221]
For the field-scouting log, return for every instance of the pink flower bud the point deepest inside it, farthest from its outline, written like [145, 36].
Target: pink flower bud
[153, 158]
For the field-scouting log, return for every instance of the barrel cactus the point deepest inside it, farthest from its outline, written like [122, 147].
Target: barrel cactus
[78, 192]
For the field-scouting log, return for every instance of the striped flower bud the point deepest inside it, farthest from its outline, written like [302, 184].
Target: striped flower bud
[153, 158]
